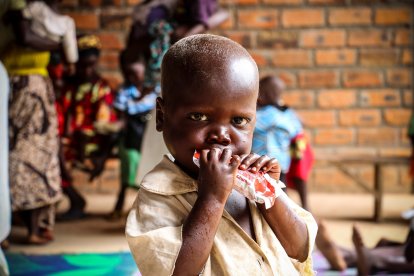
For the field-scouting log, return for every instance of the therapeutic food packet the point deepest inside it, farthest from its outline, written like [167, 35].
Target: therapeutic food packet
[259, 186]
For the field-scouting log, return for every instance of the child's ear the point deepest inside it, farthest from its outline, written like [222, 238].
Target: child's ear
[159, 114]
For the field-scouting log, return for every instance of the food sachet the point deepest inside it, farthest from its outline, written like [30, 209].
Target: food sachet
[259, 186]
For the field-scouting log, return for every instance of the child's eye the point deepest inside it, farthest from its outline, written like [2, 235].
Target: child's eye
[198, 117]
[240, 121]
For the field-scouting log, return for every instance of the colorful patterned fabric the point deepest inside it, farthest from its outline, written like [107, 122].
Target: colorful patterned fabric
[82, 106]
[275, 128]
[33, 161]
[126, 100]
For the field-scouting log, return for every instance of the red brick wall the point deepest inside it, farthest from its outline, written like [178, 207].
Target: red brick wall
[347, 65]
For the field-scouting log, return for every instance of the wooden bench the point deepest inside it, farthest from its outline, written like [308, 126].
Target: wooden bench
[377, 161]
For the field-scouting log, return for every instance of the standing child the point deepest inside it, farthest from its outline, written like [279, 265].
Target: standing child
[188, 220]
[134, 105]
[279, 134]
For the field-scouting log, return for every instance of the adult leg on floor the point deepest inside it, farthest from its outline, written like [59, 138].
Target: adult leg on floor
[329, 249]
[77, 204]
[31, 220]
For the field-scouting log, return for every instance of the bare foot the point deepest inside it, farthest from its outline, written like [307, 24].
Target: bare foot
[363, 258]
[36, 240]
[328, 249]
[47, 234]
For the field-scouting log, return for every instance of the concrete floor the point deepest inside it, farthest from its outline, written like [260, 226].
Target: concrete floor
[96, 234]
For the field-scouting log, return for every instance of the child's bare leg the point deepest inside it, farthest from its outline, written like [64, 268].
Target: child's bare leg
[301, 187]
[329, 249]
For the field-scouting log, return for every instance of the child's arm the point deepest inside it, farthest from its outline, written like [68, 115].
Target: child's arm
[215, 182]
[288, 227]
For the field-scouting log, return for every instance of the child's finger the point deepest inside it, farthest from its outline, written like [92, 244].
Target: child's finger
[235, 161]
[214, 154]
[271, 165]
[246, 161]
[226, 155]
[259, 163]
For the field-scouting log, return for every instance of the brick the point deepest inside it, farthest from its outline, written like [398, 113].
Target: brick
[375, 38]
[334, 136]
[382, 136]
[68, 3]
[323, 177]
[408, 97]
[229, 23]
[349, 151]
[133, 2]
[326, 2]
[380, 98]
[241, 37]
[322, 38]
[334, 57]
[397, 116]
[387, 16]
[283, 2]
[405, 140]
[359, 117]
[317, 118]
[85, 20]
[277, 39]
[407, 57]
[399, 77]
[337, 98]
[111, 41]
[402, 152]
[291, 58]
[361, 78]
[303, 18]
[318, 79]
[350, 16]
[109, 60]
[264, 19]
[118, 19]
[391, 177]
[402, 37]
[94, 3]
[299, 98]
[260, 58]
[288, 77]
[378, 57]
[239, 2]
[114, 79]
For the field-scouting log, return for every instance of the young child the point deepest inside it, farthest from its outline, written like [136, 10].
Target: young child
[188, 220]
[134, 105]
[279, 133]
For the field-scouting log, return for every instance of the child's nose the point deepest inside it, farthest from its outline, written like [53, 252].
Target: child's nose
[219, 135]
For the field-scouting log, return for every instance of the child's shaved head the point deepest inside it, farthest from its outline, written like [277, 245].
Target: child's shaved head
[209, 92]
[203, 59]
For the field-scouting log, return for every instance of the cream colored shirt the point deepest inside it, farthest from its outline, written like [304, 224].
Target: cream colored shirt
[154, 228]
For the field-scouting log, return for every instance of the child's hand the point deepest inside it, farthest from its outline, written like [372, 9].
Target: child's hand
[217, 173]
[254, 163]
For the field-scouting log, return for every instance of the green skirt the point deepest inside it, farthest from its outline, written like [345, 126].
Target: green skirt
[129, 165]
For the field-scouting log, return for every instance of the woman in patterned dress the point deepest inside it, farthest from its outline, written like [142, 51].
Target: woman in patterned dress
[33, 138]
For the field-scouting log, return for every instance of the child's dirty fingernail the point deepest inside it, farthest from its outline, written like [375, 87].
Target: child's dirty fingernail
[254, 169]
[264, 168]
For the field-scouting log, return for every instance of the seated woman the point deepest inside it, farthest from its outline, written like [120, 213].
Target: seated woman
[87, 107]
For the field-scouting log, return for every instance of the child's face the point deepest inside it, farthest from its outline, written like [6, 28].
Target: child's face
[134, 73]
[212, 114]
[86, 67]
